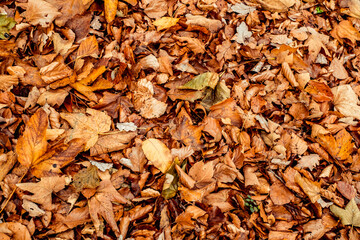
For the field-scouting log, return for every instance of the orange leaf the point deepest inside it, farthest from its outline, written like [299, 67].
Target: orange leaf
[32, 144]
[88, 47]
[110, 9]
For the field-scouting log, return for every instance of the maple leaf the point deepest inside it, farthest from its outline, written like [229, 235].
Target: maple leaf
[101, 205]
[348, 216]
[42, 190]
[157, 153]
[87, 126]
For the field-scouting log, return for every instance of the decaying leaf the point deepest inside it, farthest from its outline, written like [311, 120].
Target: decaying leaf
[242, 33]
[157, 153]
[346, 101]
[208, 79]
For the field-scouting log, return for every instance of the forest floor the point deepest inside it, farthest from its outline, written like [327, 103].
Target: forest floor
[179, 119]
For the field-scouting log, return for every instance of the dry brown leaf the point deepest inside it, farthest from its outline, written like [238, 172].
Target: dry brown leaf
[202, 172]
[17, 231]
[53, 97]
[87, 126]
[165, 23]
[311, 189]
[112, 141]
[100, 205]
[157, 153]
[345, 29]
[88, 47]
[194, 44]
[55, 71]
[42, 190]
[280, 194]
[309, 161]
[32, 144]
[40, 12]
[212, 25]
[277, 5]
[337, 68]
[156, 9]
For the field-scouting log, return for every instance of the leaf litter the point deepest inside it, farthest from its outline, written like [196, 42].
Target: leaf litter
[205, 119]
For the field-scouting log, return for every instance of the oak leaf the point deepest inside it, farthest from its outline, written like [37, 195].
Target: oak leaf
[87, 126]
[242, 33]
[42, 190]
[32, 144]
[348, 216]
[101, 204]
[309, 161]
[157, 153]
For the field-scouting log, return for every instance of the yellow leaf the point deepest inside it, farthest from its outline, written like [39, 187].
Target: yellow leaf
[348, 216]
[32, 144]
[165, 22]
[110, 9]
[157, 153]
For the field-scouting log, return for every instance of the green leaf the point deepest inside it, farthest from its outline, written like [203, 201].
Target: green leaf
[208, 79]
[348, 216]
[6, 24]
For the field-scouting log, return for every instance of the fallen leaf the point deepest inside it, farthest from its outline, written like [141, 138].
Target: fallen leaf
[112, 141]
[277, 5]
[345, 29]
[242, 33]
[88, 47]
[348, 216]
[311, 189]
[346, 101]
[338, 69]
[100, 205]
[17, 231]
[40, 12]
[7, 82]
[156, 9]
[110, 7]
[127, 126]
[32, 144]
[157, 153]
[208, 79]
[309, 161]
[213, 25]
[86, 178]
[6, 23]
[87, 126]
[242, 9]
[165, 23]
[42, 190]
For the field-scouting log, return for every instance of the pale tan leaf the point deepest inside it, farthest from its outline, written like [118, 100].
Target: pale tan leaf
[157, 153]
[308, 161]
[40, 12]
[8, 81]
[88, 47]
[213, 25]
[346, 101]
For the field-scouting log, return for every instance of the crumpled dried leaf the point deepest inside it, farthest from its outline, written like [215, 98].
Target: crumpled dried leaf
[86, 178]
[87, 126]
[212, 25]
[88, 47]
[157, 153]
[8, 81]
[348, 216]
[345, 29]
